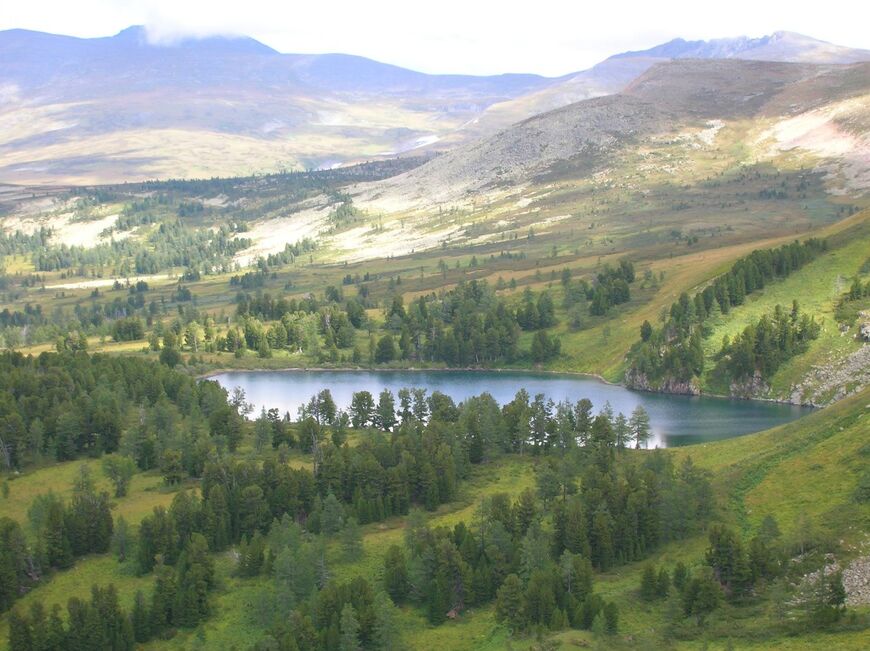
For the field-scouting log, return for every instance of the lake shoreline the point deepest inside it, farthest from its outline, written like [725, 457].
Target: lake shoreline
[476, 369]
[676, 419]
[410, 369]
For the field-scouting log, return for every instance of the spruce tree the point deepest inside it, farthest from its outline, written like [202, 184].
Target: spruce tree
[349, 629]
[395, 573]
[663, 583]
[681, 576]
[140, 618]
[351, 540]
[509, 602]
[611, 618]
[386, 627]
[58, 552]
[648, 583]
[639, 425]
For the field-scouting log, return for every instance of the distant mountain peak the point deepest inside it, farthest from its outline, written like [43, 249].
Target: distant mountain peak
[136, 33]
[778, 46]
[145, 36]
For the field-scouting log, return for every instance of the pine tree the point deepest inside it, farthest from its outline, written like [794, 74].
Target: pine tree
[195, 576]
[262, 431]
[525, 511]
[349, 629]
[439, 600]
[539, 603]
[621, 431]
[55, 634]
[385, 414]
[351, 540]
[20, 632]
[663, 583]
[509, 602]
[611, 618]
[702, 595]
[640, 426]
[121, 539]
[119, 470]
[648, 583]
[58, 551]
[254, 514]
[396, 573]
[332, 515]
[163, 598]
[681, 576]
[386, 627]
[140, 618]
[217, 519]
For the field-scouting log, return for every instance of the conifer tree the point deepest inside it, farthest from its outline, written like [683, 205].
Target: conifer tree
[396, 573]
[140, 618]
[639, 426]
[195, 575]
[663, 583]
[648, 583]
[386, 632]
[681, 576]
[58, 552]
[702, 595]
[349, 629]
[121, 540]
[163, 598]
[351, 540]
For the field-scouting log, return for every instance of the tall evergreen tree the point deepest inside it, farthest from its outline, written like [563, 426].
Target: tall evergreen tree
[349, 629]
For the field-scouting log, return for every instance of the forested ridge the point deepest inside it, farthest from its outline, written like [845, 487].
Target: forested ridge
[672, 355]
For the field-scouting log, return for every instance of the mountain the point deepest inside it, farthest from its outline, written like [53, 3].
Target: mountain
[122, 108]
[64, 67]
[779, 46]
[614, 73]
[665, 103]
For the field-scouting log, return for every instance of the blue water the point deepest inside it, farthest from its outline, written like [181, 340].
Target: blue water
[675, 420]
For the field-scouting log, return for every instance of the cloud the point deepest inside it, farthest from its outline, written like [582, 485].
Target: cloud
[548, 36]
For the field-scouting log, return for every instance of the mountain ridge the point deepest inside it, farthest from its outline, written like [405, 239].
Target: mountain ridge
[123, 108]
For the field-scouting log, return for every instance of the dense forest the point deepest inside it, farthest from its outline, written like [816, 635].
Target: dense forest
[468, 325]
[75, 405]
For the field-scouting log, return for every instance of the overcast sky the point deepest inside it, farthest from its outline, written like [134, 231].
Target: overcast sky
[463, 36]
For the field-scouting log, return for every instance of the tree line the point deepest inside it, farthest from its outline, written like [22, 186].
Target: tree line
[71, 405]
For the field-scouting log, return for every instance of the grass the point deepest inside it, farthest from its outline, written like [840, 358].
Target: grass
[807, 467]
[77, 581]
[145, 492]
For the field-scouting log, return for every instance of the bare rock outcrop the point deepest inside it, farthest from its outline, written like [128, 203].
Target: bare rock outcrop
[827, 383]
[637, 380]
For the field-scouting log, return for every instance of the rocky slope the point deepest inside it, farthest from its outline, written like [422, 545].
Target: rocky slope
[667, 98]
